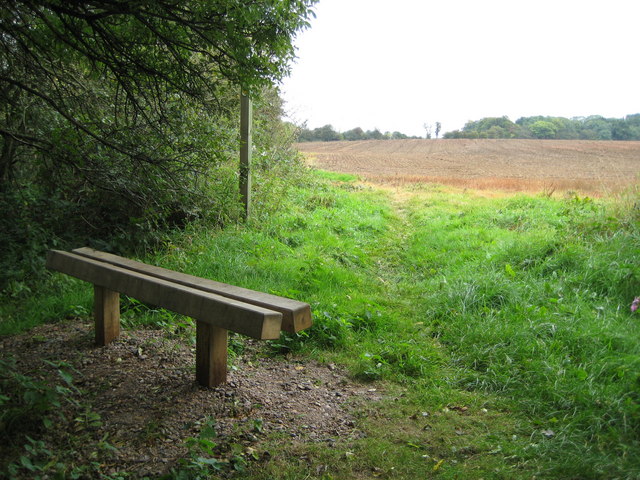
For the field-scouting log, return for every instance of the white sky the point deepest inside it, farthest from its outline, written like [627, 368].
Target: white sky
[397, 64]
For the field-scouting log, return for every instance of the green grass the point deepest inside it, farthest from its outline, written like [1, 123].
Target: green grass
[58, 298]
[498, 328]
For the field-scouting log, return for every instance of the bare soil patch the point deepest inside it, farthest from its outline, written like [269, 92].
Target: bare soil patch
[143, 388]
[596, 167]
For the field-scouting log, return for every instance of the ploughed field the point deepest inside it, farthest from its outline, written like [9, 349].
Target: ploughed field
[597, 167]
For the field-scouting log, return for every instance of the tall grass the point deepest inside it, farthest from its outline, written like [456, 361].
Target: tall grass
[530, 297]
[524, 298]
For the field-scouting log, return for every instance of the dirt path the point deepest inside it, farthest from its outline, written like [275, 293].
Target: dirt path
[139, 395]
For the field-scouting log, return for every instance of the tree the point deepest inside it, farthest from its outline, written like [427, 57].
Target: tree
[496, 132]
[354, 134]
[398, 136]
[438, 128]
[489, 127]
[115, 116]
[596, 127]
[453, 134]
[138, 59]
[427, 128]
[621, 130]
[543, 129]
[566, 128]
[327, 134]
[593, 128]
[374, 134]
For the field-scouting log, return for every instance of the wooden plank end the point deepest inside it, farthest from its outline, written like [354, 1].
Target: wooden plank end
[300, 319]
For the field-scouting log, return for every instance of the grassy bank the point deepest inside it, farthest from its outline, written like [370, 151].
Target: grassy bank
[498, 328]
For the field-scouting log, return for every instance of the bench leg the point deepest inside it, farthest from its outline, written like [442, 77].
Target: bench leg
[106, 312]
[211, 354]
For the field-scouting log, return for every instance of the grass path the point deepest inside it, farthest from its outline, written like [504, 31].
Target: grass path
[427, 426]
[423, 293]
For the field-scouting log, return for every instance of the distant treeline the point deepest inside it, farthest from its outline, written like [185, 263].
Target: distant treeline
[594, 127]
[582, 128]
[328, 134]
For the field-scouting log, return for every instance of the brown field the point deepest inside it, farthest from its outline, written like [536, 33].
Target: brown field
[594, 167]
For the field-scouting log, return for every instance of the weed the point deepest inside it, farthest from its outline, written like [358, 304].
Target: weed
[29, 407]
[26, 403]
[210, 454]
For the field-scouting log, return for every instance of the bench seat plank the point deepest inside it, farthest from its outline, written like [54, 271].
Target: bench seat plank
[216, 310]
[296, 315]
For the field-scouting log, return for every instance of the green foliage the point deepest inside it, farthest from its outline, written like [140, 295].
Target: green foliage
[27, 407]
[353, 134]
[498, 127]
[202, 461]
[322, 134]
[118, 124]
[210, 454]
[585, 128]
[543, 129]
[328, 134]
[25, 402]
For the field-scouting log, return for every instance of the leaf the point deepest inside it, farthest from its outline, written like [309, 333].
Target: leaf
[509, 270]
[66, 376]
[26, 463]
[208, 432]
[212, 462]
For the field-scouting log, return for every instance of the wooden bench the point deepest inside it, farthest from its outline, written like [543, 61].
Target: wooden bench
[216, 307]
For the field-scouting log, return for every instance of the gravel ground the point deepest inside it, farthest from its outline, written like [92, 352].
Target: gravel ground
[143, 388]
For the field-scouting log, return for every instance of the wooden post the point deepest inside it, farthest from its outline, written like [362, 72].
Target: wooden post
[211, 354]
[106, 312]
[245, 152]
